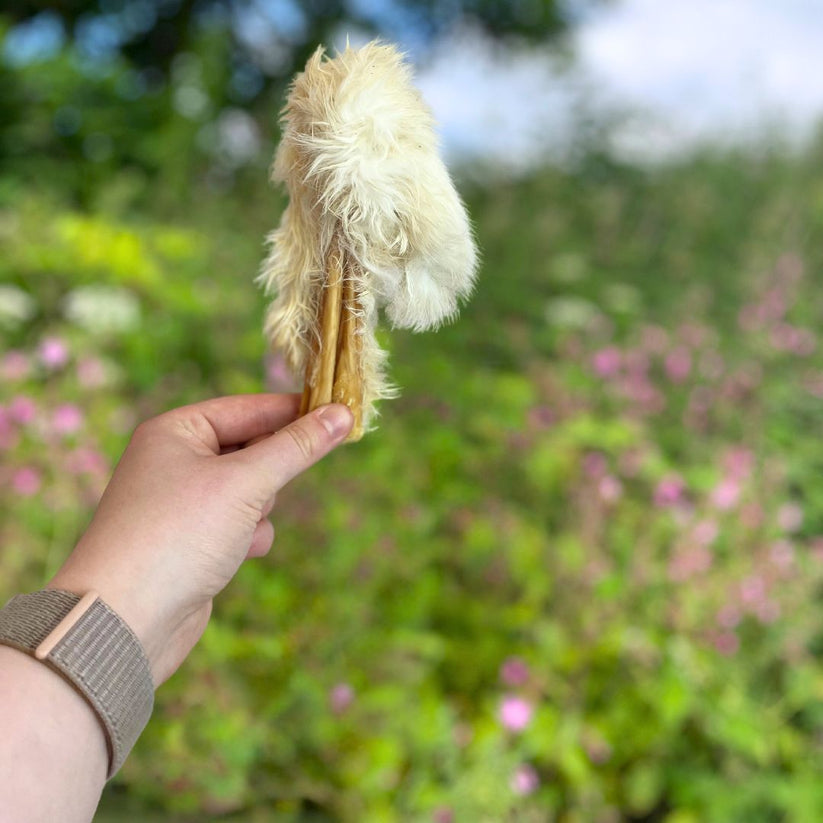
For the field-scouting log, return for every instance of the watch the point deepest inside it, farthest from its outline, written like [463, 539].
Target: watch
[90, 646]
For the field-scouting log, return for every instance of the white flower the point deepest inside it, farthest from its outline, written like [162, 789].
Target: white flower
[16, 306]
[570, 312]
[191, 101]
[102, 309]
[238, 136]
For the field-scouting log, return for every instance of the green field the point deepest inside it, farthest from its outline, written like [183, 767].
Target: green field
[596, 502]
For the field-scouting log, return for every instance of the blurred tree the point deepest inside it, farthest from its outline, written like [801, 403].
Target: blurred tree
[179, 90]
[271, 39]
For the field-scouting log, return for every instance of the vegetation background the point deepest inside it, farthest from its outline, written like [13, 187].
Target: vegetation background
[574, 576]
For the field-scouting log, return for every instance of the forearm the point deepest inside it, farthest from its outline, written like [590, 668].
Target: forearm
[53, 756]
[188, 502]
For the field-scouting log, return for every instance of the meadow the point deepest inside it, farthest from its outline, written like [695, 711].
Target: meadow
[573, 576]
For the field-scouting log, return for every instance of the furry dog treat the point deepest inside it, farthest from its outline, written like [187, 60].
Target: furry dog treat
[373, 222]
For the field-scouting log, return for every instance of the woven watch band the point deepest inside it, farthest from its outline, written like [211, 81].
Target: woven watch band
[100, 656]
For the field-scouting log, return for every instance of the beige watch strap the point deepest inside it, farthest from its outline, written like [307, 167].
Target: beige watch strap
[94, 650]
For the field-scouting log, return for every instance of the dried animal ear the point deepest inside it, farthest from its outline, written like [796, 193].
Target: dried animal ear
[373, 221]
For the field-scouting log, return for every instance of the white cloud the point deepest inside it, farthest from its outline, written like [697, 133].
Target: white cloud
[691, 70]
[711, 68]
[510, 107]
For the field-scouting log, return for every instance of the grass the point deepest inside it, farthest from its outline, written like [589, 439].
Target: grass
[603, 470]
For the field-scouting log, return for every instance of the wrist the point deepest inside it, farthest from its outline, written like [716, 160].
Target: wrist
[125, 604]
[81, 639]
[166, 636]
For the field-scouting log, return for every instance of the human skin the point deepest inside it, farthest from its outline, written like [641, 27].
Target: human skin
[187, 504]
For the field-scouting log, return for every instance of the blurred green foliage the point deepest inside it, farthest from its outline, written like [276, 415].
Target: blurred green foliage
[187, 74]
[264, 43]
[573, 576]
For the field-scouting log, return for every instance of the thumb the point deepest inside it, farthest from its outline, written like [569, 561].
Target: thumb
[296, 447]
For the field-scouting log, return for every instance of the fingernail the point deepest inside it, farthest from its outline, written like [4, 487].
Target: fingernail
[337, 419]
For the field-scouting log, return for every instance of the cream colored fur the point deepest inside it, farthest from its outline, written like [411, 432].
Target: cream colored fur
[360, 160]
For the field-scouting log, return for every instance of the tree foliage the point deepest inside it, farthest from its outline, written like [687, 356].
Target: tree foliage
[268, 41]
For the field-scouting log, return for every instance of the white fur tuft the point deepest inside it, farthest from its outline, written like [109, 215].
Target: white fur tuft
[360, 160]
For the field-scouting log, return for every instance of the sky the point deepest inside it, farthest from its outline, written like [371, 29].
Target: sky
[667, 74]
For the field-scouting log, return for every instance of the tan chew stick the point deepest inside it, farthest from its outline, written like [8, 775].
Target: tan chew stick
[348, 381]
[373, 222]
[332, 366]
[321, 363]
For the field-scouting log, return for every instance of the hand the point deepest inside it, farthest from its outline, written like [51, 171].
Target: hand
[188, 502]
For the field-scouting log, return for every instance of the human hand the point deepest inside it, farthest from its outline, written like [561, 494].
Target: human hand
[188, 502]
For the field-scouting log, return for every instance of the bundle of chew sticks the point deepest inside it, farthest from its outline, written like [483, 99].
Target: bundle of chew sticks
[373, 222]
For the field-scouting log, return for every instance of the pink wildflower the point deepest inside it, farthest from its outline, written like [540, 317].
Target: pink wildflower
[53, 352]
[726, 493]
[700, 400]
[597, 749]
[27, 481]
[22, 409]
[86, 460]
[8, 433]
[91, 373]
[443, 814]
[728, 617]
[606, 362]
[705, 532]
[610, 489]
[638, 388]
[525, 780]
[515, 713]
[801, 342]
[678, 364]
[790, 517]
[752, 590]
[782, 555]
[689, 562]
[631, 462]
[774, 305]
[594, 464]
[727, 643]
[15, 365]
[805, 343]
[541, 417]
[669, 490]
[738, 462]
[813, 383]
[341, 697]
[67, 419]
[278, 374]
[514, 671]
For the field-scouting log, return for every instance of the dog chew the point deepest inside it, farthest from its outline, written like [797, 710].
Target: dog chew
[373, 222]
